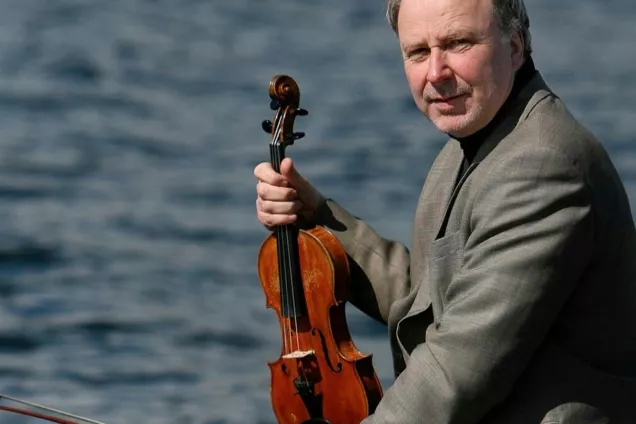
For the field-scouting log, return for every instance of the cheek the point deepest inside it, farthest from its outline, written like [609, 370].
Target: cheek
[481, 71]
[416, 77]
[467, 70]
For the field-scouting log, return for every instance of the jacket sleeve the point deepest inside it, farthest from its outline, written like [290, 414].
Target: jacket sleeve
[531, 235]
[379, 267]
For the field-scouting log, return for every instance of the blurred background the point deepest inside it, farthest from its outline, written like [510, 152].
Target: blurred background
[129, 130]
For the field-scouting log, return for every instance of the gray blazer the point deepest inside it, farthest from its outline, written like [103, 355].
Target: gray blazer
[524, 309]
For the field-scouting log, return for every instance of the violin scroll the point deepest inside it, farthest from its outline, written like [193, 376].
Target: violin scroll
[285, 95]
[284, 90]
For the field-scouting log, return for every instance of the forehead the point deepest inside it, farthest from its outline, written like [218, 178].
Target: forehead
[430, 20]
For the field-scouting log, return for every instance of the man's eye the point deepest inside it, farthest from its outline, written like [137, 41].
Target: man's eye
[419, 53]
[459, 44]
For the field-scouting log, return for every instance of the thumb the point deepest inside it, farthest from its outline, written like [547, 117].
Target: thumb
[312, 199]
[288, 170]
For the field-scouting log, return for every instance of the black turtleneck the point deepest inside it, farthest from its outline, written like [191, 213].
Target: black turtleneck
[470, 144]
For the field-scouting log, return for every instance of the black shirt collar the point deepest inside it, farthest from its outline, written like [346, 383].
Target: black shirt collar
[470, 144]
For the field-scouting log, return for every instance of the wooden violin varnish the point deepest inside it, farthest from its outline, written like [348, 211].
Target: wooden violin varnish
[320, 377]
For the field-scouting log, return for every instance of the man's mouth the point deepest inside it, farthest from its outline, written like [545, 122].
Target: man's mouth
[446, 99]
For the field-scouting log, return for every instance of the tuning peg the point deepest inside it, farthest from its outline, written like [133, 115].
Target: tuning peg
[273, 105]
[300, 112]
[298, 135]
[267, 126]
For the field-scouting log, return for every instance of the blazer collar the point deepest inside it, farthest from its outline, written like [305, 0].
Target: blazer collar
[516, 113]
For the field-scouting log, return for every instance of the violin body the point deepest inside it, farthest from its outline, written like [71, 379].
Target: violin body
[344, 386]
[320, 376]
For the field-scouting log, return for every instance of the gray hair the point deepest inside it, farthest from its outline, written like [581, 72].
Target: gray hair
[512, 16]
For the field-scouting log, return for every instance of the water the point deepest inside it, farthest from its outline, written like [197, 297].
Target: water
[130, 130]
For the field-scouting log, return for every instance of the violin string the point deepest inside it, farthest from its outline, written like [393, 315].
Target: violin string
[290, 285]
[288, 241]
[284, 271]
[289, 238]
[281, 282]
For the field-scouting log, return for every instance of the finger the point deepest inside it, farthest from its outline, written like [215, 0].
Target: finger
[271, 221]
[279, 208]
[264, 172]
[270, 192]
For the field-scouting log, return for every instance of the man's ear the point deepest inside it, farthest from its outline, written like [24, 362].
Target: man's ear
[517, 51]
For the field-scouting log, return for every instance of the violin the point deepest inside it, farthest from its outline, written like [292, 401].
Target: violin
[320, 377]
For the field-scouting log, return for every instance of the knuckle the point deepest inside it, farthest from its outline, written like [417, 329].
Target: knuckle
[265, 206]
[261, 190]
[265, 219]
[291, 194]
[290, 208]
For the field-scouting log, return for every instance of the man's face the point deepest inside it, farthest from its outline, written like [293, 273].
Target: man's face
[458, 63]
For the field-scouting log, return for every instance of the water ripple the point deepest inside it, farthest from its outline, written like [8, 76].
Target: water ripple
[133, 378]
[60, 101]
[168, 230]
[210, 338]
[29, 254]
[74, 67]
[18, 343]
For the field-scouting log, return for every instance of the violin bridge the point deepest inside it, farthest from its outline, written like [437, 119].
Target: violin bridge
[299, 354]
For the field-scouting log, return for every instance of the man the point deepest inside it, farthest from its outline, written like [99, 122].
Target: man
[517, 301]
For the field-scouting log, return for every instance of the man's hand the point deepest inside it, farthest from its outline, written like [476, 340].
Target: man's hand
[283, 198]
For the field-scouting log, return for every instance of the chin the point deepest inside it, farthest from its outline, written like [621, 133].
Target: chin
[459, 126]
[466, 121]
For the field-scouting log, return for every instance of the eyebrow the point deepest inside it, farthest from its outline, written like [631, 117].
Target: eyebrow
[453, 33]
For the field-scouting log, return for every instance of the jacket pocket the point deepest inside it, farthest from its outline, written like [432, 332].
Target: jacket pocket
[444, 261]
[445, 245]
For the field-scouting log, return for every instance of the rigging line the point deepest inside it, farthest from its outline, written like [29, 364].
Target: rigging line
[49, 409]
[38, 415]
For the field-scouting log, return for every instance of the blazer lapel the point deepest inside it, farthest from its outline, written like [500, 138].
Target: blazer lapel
[448, 185]
[447, 180]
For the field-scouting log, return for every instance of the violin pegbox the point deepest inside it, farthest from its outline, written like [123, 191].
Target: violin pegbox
[285, 95]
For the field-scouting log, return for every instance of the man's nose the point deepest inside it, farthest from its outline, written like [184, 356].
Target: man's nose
[438, 70]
